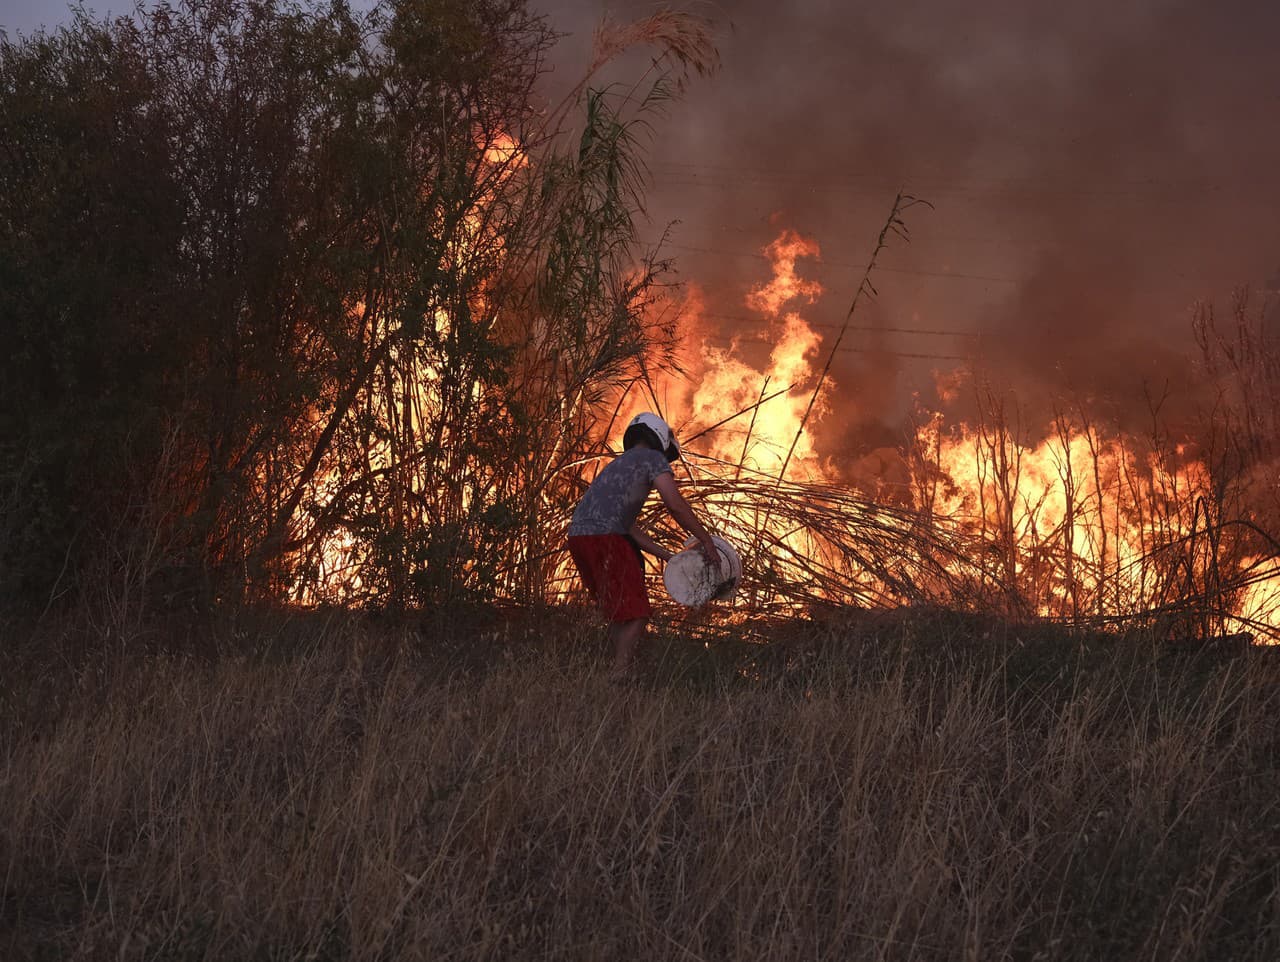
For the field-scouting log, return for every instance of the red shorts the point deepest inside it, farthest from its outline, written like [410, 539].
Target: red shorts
[611, 569]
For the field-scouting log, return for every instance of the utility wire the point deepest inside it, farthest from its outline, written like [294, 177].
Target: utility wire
[931, 237]
[823, 176]
[934, 190]
[890, 270]
[871, 328]
[1166, 191]
[846, 349]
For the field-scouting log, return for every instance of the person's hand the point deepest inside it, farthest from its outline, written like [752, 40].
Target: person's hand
[711, 553]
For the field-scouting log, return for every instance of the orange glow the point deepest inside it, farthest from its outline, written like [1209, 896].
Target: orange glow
[1071, 522]
[408, 393]
[1075, 524]
[1076, 513]
[786, 286]
[724, 382]
[1082, 524]
[505, 151]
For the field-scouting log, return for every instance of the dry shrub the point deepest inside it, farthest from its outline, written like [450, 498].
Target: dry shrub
[912, 792]
[683, 42]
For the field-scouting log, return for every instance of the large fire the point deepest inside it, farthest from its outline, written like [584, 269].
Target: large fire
[409, 394]
[725, 383]
[1070, 521]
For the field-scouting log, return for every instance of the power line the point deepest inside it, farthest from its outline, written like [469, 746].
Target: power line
[871, 328]
[823, 176]
[928, 357]
[931, 192]
[676, 174]
[852, 350]
[890, 270]
[916, 237]
[843, 349]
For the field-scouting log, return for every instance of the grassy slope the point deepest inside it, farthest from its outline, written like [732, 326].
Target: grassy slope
[895, 788]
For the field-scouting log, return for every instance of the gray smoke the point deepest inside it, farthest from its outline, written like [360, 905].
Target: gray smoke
[1095, 168]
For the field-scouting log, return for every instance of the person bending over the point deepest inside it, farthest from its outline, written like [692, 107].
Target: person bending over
[606, 542]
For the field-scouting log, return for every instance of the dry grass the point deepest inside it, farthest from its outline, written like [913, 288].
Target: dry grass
[910, 787]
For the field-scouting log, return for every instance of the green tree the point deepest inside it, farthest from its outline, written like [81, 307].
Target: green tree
[288, 287]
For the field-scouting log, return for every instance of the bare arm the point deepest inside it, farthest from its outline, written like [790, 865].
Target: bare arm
[680, 510]
[647, 544]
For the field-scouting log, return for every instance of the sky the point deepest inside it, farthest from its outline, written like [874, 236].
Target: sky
[1095, 169]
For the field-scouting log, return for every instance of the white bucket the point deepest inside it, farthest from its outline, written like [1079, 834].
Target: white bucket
[691, 581]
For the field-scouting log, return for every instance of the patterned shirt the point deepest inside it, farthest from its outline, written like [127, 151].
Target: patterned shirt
[613, 502]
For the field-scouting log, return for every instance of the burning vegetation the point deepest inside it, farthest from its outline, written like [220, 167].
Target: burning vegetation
[310, 311]
[1072, 520]
[355, 316]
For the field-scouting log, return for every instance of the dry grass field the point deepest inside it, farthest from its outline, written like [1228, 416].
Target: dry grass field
[903, 787]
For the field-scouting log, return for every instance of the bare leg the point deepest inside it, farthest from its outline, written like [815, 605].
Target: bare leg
[626, 637]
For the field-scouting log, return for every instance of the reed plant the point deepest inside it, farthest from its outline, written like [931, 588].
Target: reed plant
[921, 786]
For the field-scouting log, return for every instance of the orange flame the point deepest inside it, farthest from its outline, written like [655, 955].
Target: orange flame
[1078, 523]
[726, 382]
[340, 555]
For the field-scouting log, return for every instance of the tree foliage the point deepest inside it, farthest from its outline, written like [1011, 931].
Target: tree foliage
[289, 289]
